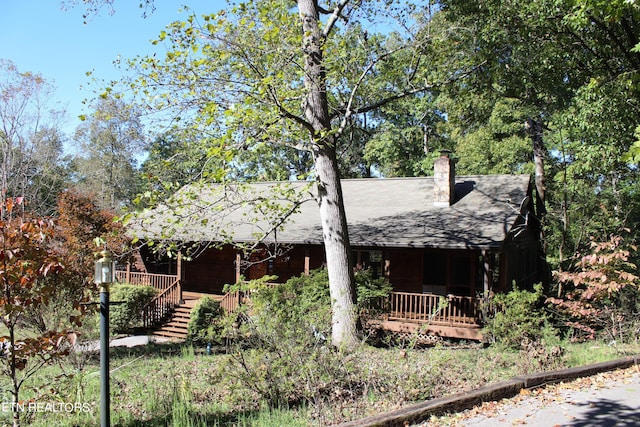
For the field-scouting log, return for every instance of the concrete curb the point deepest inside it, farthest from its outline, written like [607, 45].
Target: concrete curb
[421, 411]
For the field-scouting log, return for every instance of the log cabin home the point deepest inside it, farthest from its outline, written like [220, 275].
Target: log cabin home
[448, 238]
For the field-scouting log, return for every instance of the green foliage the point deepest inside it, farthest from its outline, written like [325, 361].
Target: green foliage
[283, 355]
[573, 64]
[305, 300]
[205, 324]
[518, 317]
[109, 141]
[301, 302]
[633, 156]
[130, 299]
[371, 290]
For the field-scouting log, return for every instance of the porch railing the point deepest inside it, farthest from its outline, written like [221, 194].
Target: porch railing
[435, 309]
[232, 300]
[154, 313]
[169, 294]
[159, 281]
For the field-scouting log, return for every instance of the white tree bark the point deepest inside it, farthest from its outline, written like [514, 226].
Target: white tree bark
[334, 223]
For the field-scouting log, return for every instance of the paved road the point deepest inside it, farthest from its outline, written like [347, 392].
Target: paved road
[130, 341]
[608, 399]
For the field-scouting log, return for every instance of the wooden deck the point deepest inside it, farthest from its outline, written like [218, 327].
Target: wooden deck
[449, 316]
[404, 313]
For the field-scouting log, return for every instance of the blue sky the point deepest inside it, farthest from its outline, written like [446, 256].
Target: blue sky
[38, 36]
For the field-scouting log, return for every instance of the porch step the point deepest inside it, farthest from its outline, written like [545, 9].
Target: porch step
[177, 326]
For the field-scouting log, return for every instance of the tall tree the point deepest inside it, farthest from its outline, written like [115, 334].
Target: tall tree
[323, 144]
[263, 74]
[566, 68]
[109, 141]
[32, 165]
[79, 222]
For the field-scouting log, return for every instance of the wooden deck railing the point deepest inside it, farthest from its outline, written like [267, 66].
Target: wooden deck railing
[154, 313]
[159, 281]
[400, 306]
[434, 309]
[232, 300]
[169, 294]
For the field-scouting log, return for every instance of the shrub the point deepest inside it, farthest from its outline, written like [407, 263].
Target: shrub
[129, 300]
[282, 353]
[205, 323]
[518, 316]
[305, 300]
[371, 289]
[600, 295]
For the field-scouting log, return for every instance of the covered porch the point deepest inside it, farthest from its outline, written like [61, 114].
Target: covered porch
[449, 316]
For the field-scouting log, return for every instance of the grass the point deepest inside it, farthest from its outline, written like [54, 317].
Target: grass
[179, 385]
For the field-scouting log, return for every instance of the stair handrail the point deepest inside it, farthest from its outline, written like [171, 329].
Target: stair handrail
[232, 300]
[157, 309]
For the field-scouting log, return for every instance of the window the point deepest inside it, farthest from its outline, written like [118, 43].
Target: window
[434, 271]
[448, 272]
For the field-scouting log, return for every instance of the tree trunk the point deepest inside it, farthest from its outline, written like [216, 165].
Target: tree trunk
[536, 132]
[338, 251]
[334, 223]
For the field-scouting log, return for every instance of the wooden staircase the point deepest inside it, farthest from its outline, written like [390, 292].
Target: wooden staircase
[176, 327]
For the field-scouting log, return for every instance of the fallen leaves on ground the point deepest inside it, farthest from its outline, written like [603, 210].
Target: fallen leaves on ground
[552, 393]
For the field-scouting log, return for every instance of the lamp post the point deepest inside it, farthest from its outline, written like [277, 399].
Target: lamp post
[104, 277]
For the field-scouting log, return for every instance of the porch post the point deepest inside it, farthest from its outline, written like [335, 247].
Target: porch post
[179, 265]
[128, 279]
[486, 273]
[179, 276]
[307, 261]
[387, 265]
[238, 269]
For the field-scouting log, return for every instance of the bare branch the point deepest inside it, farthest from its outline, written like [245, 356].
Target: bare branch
[405, 93]
[337, 13]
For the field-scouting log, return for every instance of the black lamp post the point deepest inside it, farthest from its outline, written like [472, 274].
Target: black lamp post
[104, 277]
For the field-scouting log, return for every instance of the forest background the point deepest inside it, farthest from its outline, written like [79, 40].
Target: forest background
[265, 90]
[549, 88]
[484, 73]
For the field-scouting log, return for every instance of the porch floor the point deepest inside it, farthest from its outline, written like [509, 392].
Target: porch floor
[191, 298]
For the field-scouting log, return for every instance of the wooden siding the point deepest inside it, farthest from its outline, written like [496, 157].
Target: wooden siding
[210, 271]
[292, 264]
[405, 270]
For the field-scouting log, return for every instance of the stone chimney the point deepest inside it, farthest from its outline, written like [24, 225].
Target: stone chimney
[444, 173]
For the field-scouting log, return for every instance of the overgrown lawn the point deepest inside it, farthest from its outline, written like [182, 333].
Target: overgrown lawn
[177, 385]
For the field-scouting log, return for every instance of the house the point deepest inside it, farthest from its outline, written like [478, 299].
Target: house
[445, 236]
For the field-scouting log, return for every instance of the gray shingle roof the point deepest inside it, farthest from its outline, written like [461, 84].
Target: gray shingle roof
[395, 212]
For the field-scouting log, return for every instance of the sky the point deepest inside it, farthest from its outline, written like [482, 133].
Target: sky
[39, 37]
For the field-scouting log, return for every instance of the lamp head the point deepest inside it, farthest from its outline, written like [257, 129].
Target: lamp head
[104, 270]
